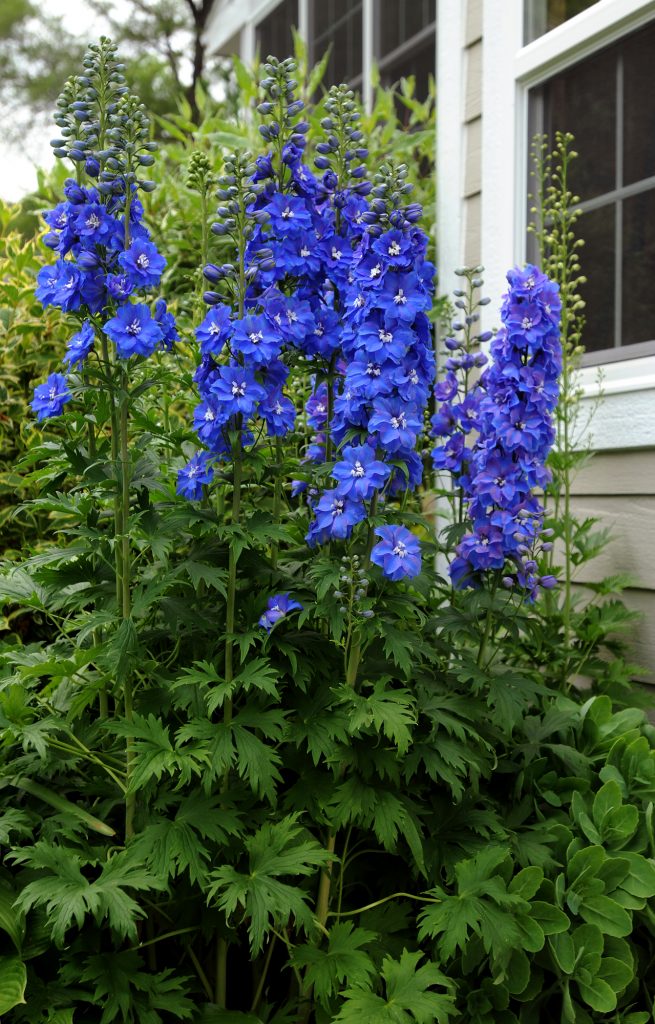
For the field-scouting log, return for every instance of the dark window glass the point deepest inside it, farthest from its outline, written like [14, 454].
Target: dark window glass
[597, 256]
[543, 15]
[583, 101]
[401, 20]
[421, 64]
[608, 103]
[639, 107]
[274, 35]
[337, 23]
[638, 305]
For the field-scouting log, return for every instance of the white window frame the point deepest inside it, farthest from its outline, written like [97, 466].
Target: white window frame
[510, 69]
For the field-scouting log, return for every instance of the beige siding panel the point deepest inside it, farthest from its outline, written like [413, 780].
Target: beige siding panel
[472, 230]
[641, 638]
[617, 473]
[473, 157]
[473, 101]
[630, 548]
[473, 22]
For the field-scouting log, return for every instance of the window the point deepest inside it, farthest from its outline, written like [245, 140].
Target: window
[337, 23]
[406, 41]
[608, 103]
[543, 15]
[273, 33]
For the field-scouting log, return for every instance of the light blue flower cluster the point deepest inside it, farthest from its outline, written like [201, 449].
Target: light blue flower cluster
[512, 410]
[105, 258]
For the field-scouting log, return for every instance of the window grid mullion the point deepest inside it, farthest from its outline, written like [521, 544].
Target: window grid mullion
[618, 215]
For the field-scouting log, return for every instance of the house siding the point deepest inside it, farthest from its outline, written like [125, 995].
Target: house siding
[618, 489]
[472, 125]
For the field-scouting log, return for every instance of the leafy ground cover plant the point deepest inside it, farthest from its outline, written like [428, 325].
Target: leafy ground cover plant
[260, 762]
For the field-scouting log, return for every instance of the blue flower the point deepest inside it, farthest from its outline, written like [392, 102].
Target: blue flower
[93, 224]
[80, 345]
[50, 397]
[335, 517]
[278, 412]
[143, 263]
[208, 420]
[237, 391]
[278, 607]
[395, 423]
[398, 554]
[212, 333]
[133, 331]
[404, 298]
[198, 471]
[119, 286]
[359, 474]
[166, 322]
[288, 215]
[255, 339]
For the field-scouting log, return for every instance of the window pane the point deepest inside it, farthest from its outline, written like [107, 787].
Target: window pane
[543, 15]
[421, 64]
[583, 101]
[338, 23]
[400, 20]
[274, 36]
[597, 258]
[638, 306]
[638, 106]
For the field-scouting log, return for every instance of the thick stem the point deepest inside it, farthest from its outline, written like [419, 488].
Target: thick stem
[126, 596]
[277, 497]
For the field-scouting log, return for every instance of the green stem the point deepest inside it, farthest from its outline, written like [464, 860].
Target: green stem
[220, 996]
[259, 991]
[126, 597]
[277, 497]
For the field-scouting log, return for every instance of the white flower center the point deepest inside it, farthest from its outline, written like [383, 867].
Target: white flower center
[287, 213]
[304, 252]
[209, 416]
[336, 253]
[214, 329]
[52, 394]
[376, 270]
[529, 282]
[337, 507]
[526, 323]
[394, 249]
[359, 302]
[385, 336]
[373, 370]
[134, 328]
[93, 221]
[399, 422]
[238, 389]
[400, 298]
[256, 336]
[278, 409]
[400, 549]
[357, 470]
[143, 261]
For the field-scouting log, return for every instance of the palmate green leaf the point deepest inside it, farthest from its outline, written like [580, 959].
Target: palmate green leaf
[68, 896]
[13, 979]
[277, 850]
[126, 992]
[408, 998]
[391, 712]
[343, 961]
[170, 846]
[391, 815]
[155, 755]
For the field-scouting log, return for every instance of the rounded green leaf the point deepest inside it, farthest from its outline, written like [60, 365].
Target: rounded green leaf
[615, 972]
[13, 979]
[607, 915]
[11, 921]
[518, 972]
[550, 918]
[526, 883]
[562, 951]
[598, 995]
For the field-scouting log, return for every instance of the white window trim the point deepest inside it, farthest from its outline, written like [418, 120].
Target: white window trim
[509, 70]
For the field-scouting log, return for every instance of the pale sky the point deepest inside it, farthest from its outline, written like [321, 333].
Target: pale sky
[18, 164]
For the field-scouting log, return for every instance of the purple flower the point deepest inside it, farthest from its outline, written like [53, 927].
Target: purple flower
[50, 397]
[398, 554]
[133, 331]
[166, 321]
[395, 423]
[278, 412]
[335, 517]
[359, 474]
[80, 345]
